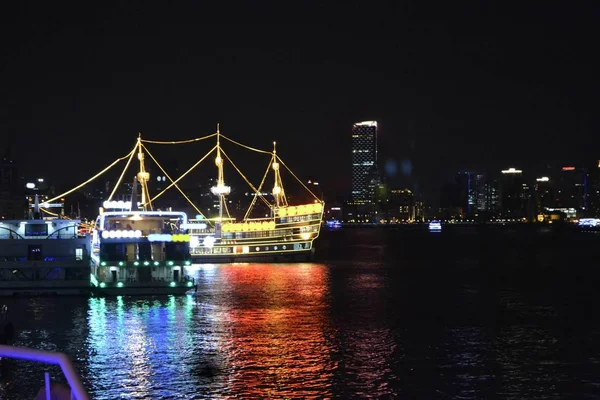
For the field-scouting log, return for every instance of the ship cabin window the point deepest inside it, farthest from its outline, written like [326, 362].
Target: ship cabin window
[34, 252]
[113, 252]
[144, 251]
[36, 230]
[78, 254]
[176, 275]
[176, 251]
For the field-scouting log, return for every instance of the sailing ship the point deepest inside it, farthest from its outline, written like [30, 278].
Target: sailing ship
[287, 233]
[136, 249]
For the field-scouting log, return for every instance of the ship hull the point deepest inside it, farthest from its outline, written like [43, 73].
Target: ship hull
[46, 288]
[298, 256]
[143, 291]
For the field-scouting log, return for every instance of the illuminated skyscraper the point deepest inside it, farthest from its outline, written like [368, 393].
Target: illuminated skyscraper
[364, 162]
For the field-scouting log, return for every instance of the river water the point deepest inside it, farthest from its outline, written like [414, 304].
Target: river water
[466, 313]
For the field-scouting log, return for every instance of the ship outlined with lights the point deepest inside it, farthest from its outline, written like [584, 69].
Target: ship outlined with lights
[138, 249]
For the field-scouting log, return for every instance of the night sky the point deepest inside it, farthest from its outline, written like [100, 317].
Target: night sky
[453, 85]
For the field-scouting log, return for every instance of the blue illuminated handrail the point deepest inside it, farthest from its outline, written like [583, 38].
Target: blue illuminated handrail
[49, 357]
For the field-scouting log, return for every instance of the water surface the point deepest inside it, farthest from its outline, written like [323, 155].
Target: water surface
[467, 313]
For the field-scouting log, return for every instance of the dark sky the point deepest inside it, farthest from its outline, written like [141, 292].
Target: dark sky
[452, 84]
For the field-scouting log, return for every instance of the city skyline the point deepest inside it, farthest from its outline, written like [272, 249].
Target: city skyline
[394, 175]
[453, 87]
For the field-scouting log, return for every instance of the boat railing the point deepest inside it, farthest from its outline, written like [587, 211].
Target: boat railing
[48, 259]
[78, 391]
[55, 236]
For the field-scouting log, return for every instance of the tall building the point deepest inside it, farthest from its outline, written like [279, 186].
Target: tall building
[468, 191]
[515, 194]
[544, 195]
[572, 188]
[491, 197]
[12, 199]
[593, 193]
[365, 174]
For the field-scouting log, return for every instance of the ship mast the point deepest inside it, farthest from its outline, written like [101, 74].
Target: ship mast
[142, 178]
[278, 192]
[220, 189]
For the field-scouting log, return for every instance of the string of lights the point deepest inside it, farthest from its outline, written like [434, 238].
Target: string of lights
[124, 170]
[91, 179]
[227, 210]
[50, 212]
[180, 141]
[259, 189]
[139, 145]
[182, 176]
[170, 179]
[247, 147]
[246, 179]
[294, 175]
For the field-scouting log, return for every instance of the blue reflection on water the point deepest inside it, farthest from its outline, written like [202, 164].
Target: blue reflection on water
[141, 349]
[384, 321]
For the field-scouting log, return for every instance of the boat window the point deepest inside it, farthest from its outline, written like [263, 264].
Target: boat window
[144, 251]
[176, 251]
[113, 252]
[36, 230]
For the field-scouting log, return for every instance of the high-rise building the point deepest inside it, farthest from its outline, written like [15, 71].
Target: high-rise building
[593, 192]
[515, 194]
[467, 191]
[491, 197]
[572, 188]
[365, 174]
[12, 199]
[544, 195]
[479, 192]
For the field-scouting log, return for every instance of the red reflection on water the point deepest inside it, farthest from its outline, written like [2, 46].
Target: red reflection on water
[277, 340]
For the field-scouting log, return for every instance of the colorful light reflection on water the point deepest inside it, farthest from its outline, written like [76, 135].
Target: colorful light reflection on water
[383, 321]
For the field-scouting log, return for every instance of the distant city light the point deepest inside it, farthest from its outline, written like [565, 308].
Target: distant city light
[512, 171]
[543, 179]
[30, 185]
[366, 123]
[568, 168]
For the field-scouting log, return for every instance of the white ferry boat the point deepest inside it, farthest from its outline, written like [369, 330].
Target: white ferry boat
[140, 253]
[43, 257]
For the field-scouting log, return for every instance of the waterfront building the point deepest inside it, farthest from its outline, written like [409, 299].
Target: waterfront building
[364, 162]
[543, 195]
[515, 194]
[365, 173]
[572, 188]
[401, 205]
